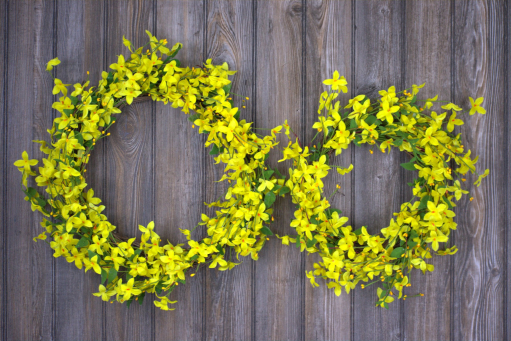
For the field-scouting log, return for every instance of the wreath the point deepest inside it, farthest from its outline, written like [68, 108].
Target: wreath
[80, 232]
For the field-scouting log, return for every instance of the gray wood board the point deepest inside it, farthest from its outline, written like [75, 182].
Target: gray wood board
[155, 166]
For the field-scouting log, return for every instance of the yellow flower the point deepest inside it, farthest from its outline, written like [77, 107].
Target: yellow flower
[129, 290]
[25, 163]
[482, 176]
[164, 303]
[103, 293]
[476, 106]
[60, 87]
[52, 63]
[386, 111]
[337, 83]
[452, 122]
[92, 263]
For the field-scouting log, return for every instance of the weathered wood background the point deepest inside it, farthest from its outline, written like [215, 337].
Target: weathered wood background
[154, 167]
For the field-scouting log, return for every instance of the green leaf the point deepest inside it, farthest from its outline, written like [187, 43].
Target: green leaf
[279, 174]
[73, 99]
[237, 116]
[31, 192]
[398, 143]
[41, 202]
[141, 298]
[298, 242]
[268, 173]
[175, 51]
[397, 252]
[215, 150]
[79, 137]
[357, 232]
[68, 112]
[82, 243]
[194, 257]
[314, 219]
[112, 273]
[370, 119]
[269, 199]
[110, 77]
[353, 123]
[284, 190]
[104, 276]
[227, 88]
[220, 249]
[424, 202]
[411, 244]
[447, 201]
[409, 166]
[265, 230]
[330, 211]
[192, 118]
[92, 254]
[311, 243]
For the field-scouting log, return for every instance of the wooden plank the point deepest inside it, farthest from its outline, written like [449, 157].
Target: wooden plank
[479, 268]
[29, 265]
[230, 39]
[507, 45]
[279, 272]
[4, 31]
[129, 154]
[329, 42]
[377, 188]
[79, 24]
[428, 34]
[180, 178]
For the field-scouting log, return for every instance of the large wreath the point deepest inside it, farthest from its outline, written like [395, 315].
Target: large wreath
[129, 269]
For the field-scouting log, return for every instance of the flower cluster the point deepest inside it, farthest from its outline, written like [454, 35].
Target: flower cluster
[77, 227]
[349, 256]
[129, 269]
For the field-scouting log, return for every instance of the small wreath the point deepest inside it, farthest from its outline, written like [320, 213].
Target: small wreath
[130, 269]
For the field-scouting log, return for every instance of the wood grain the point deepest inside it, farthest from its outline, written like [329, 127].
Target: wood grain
[4, 33]
[180, 181]
[328, 48]
[507, 233]
[479, 268]
[78, 26]
[279, 272]
[425, 20]
[129, 172]
[29, 266]
[230, 38]
[155, 167]
[377, 189]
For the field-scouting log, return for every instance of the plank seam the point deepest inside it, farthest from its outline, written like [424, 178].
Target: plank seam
[103, 156]
[254, 103]
[4, 169]
[352, 177]
[153, 152]
[303, 122]
[403, 156]
[53, 265]
[204, 169]
[453, 89]
[254, 117]
[507, 34]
